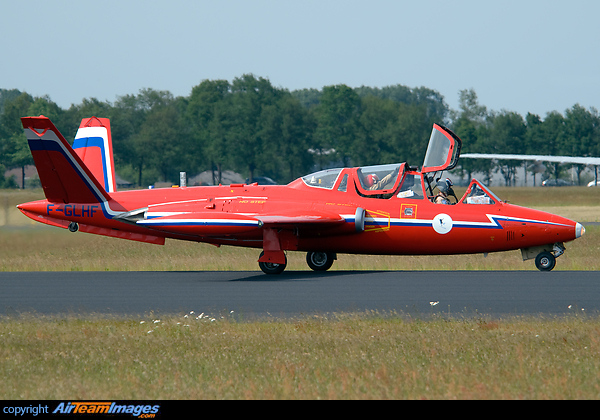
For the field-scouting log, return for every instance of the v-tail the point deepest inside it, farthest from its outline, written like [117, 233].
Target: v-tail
[77, 181]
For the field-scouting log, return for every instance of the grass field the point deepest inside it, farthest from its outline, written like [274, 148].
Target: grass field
[337, 356]
[357, 356]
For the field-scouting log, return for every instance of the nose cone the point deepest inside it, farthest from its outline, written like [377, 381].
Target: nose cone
[579, 230]
[37, 207]
[34, 208]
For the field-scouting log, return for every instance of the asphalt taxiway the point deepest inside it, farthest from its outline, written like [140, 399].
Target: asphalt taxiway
[302, 293]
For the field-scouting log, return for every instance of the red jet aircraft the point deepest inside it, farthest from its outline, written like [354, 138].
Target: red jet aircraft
[386, 209]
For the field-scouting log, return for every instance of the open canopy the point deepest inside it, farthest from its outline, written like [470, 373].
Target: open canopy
[443, 150]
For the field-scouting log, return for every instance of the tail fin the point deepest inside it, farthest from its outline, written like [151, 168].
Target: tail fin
[93, 144]
[64, 176]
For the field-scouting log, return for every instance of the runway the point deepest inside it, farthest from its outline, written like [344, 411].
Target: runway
[253, 295]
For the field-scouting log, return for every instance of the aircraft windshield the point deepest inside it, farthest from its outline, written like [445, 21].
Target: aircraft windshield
[411, 187]
[380, 177]
[322, 179]
[477, 193]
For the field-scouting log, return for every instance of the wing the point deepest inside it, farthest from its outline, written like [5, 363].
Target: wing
[297, 219]
[217, 223]
[204, 223]
[560, 159]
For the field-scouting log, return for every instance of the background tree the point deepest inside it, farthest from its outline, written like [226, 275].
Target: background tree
[338, 122]
[162, 142]
[506, 134]
[582, 129]
[146, 142]
[14, 149]
[434, 105]
[372, 145]
[534, 143]
[286, 130]
[252, 127]
[470, 124]
[206, 116]
[409, 134]
[249, 97]
[553, 131]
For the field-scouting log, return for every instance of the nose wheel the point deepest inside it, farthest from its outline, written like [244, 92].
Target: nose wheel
[545, 261]
[545, 256]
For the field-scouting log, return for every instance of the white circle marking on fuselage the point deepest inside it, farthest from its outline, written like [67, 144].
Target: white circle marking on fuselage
[442, 223]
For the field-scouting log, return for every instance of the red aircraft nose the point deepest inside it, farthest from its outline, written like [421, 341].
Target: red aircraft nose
[538, 227]
[565, 228]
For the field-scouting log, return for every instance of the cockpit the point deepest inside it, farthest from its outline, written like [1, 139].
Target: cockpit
[378, 181]
[477, 193]
[380, 178]
[387, 181]
[377, 178]
[323, 179]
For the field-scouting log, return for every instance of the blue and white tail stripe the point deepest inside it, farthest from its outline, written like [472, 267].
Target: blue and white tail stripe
[97, 137]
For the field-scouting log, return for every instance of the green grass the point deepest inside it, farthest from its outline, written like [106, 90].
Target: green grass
[535, 197]
[359, 356]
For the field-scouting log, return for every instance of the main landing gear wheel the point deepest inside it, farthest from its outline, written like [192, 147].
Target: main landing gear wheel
[272, 268]
[320, 261]
[545, 261]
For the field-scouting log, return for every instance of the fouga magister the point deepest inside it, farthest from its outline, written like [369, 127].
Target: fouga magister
[384, 209]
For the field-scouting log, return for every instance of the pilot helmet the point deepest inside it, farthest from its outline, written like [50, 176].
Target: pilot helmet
[371, 180]
[444, 186]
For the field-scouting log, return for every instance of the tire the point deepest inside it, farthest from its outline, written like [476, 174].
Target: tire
[271, 268]
[545, 261]
[320, 261]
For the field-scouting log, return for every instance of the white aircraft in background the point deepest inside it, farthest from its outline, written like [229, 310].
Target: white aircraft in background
[543, 158]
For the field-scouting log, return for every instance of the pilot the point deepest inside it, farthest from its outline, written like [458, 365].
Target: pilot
[371, 181]
[445, 189]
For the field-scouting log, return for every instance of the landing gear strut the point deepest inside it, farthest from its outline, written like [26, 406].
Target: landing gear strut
[545, 256]
[316, 260]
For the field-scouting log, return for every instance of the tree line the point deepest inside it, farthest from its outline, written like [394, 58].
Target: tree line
[254, 128]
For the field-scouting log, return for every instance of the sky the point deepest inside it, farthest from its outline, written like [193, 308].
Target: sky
[524, 56]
